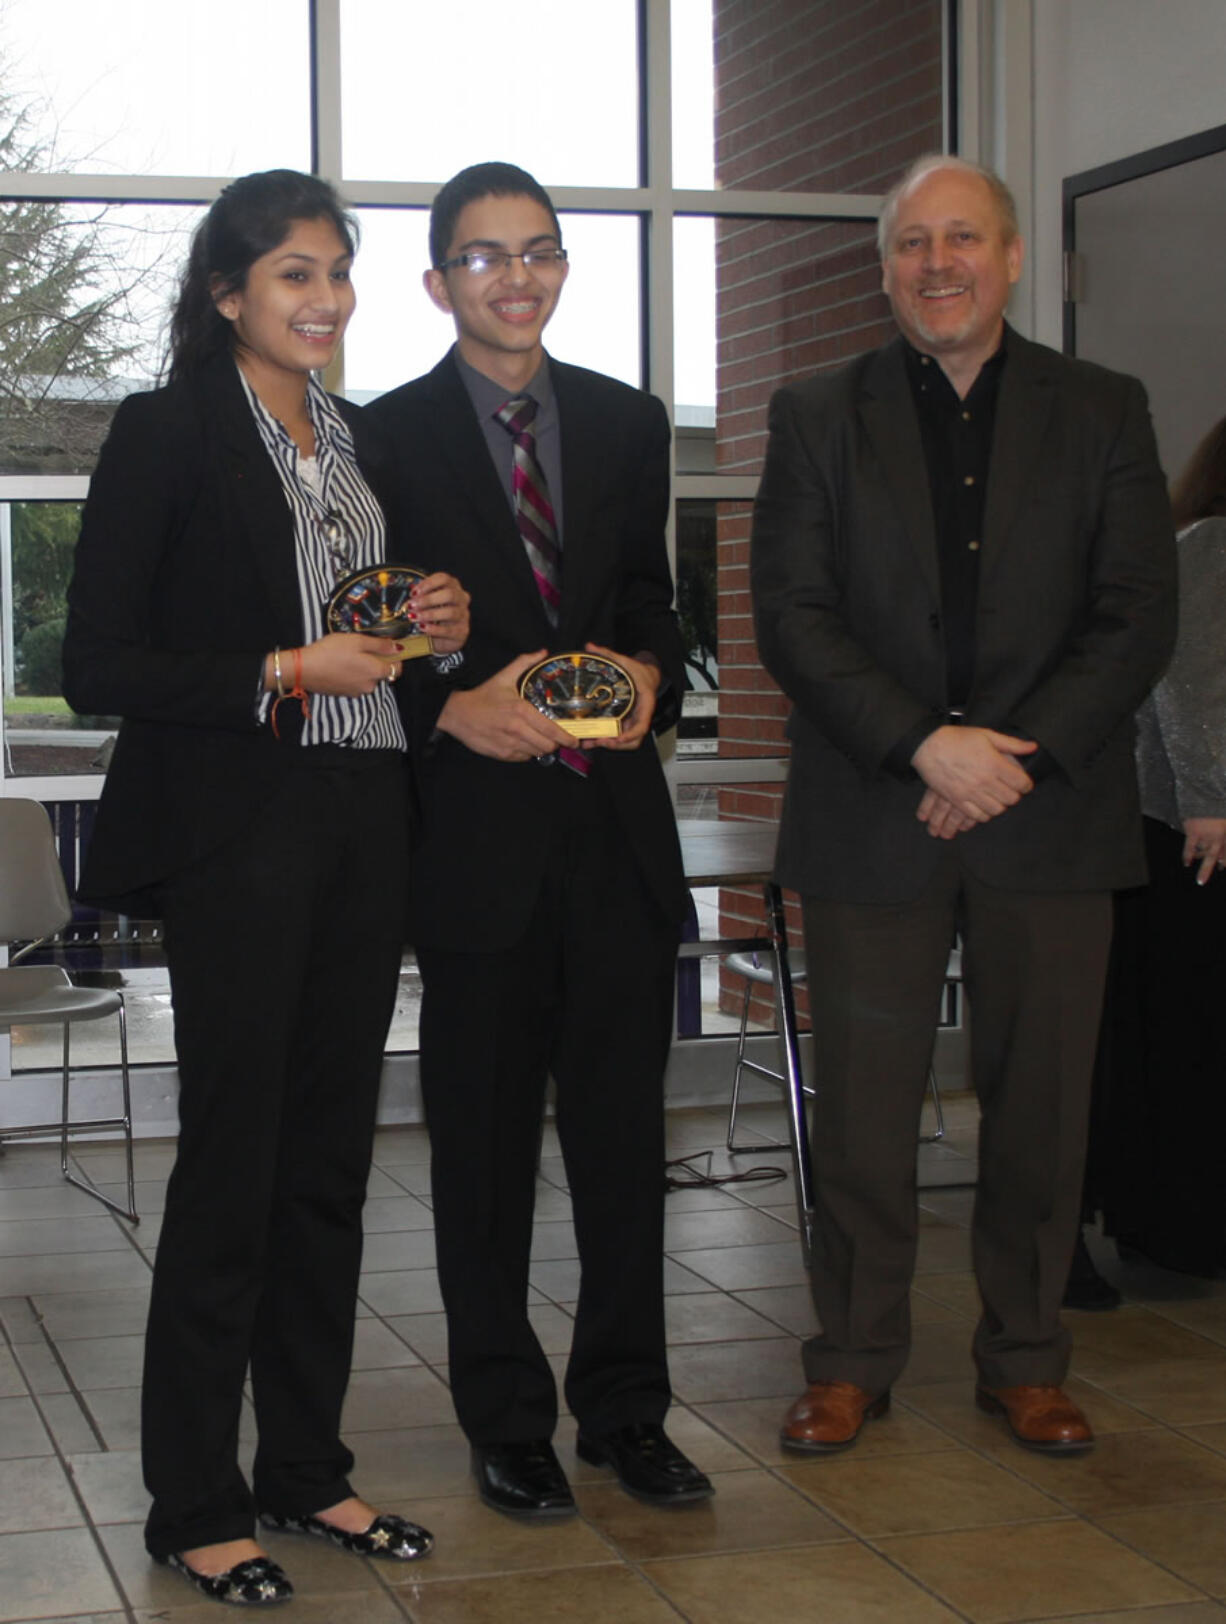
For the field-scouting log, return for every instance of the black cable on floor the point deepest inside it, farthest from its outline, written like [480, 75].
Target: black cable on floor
[688, 1177]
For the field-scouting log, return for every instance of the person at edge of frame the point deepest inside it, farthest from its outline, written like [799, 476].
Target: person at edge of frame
[260, 761]
[963, 574]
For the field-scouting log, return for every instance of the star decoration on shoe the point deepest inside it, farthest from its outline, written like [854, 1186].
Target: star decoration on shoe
[388, 1535]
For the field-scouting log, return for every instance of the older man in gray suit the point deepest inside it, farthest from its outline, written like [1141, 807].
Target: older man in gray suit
[963, 573]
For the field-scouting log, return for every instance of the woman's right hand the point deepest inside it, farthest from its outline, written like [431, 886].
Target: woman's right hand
[1204, 844]
[340, 663]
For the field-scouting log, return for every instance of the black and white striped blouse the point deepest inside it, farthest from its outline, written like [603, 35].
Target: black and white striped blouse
[327, 496]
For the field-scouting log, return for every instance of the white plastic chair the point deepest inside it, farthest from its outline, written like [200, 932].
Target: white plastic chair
[33, 906]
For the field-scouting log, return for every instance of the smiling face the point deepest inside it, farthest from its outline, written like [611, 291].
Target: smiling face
[948, 269]
[501, 315]
[291, 313]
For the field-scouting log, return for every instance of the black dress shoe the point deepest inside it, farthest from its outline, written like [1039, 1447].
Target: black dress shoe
[258, 1582]
[523, 1480]
[648, 1464]
[388, 1535]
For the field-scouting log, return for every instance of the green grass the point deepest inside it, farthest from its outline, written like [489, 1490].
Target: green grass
[35, 705]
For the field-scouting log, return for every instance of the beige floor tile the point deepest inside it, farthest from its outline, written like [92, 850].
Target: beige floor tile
[1179, 1612]
[741, 1268]
[21, 1431]
[379, 1399]
[378, 1347]
[1127, 1470]
[390, 1251]
[110, 1483]
[957, 1292]
[789, 1307]
[403, 1179]
[750, 1511]
[408, 1291]
[55, 1200]
[40, 1236]
[1132, 1336]
[695, 1231]
[25, 1166]
[943, 1249]
[411, 1462]
[553, 1238]
[702, 1372]
[755, 1423]
[906, 1494]
[53, 1573]
[1188, 1539]
[605, 1595]
[713, 1316]
[836, 1584]
[66, 1271]
[1032, 1570]
[105, 1361]
[699, 1198]
[12, 1376]
[1175, 1391]
[703, 1443]
[69, 1315]
[953, 1206]
[1204, 1315]
[426, 1334]
[19, 1320]
[1213, 1436]
[115, 1413]
[472, 1541]
[395, 1212]
[36, 1494]
[150, 1195]
[40, 1370]
[407, 1146]
[70, 1424]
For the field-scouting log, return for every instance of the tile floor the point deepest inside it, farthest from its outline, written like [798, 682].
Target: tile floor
[935, 1516]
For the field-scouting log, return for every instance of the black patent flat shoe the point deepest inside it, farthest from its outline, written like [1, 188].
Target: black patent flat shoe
[389, 1535]
[648, 1464]
[258, 1582]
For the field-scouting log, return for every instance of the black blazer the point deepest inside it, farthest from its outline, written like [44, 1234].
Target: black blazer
[1075, 620]
[184, 579]
[485, 835]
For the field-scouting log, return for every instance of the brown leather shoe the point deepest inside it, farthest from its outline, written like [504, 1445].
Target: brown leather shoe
[828, 1416]
[1043, 1418]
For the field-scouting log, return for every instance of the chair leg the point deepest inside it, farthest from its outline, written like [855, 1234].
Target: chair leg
[939, 1131]
[739, 1067]
[81, 1181]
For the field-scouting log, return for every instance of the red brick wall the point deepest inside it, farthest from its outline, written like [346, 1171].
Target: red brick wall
[811, 95]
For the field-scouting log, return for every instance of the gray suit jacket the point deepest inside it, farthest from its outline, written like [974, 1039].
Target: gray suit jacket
[1076, 617]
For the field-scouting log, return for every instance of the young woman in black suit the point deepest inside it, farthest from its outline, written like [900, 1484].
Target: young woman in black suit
[257, 801]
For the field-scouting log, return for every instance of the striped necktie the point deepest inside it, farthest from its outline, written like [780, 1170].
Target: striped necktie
[533, 509]
[538, 527]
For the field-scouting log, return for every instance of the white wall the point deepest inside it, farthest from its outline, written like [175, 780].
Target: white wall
[1110, 78]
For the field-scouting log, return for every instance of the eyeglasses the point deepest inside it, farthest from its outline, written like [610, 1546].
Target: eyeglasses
[487, 260]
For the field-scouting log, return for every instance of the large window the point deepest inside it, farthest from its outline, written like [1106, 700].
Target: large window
[717, 165]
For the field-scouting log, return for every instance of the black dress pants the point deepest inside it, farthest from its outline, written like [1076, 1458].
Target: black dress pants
[1034, 965]
[585, 995]
[284, 950]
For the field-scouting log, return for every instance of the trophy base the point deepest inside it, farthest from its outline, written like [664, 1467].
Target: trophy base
[412, 647]
[590, 727]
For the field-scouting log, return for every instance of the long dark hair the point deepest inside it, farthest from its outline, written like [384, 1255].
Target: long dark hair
[250, 218]
[1200, 490]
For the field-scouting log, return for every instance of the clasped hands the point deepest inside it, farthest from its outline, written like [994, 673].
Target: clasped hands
[492, 720]
[972, 774]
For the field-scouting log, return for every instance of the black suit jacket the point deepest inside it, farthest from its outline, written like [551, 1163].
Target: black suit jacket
[485, 834]
[1075, 619]
[184, 579]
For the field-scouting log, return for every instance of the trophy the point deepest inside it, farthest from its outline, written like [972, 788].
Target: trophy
[586, 694]
[376, 601]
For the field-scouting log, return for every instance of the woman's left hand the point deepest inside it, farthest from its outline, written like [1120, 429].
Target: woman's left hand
[442, 611]
[1204, 843]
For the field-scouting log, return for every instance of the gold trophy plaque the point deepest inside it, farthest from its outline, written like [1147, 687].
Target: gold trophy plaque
[377, 602]
[586, 694]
